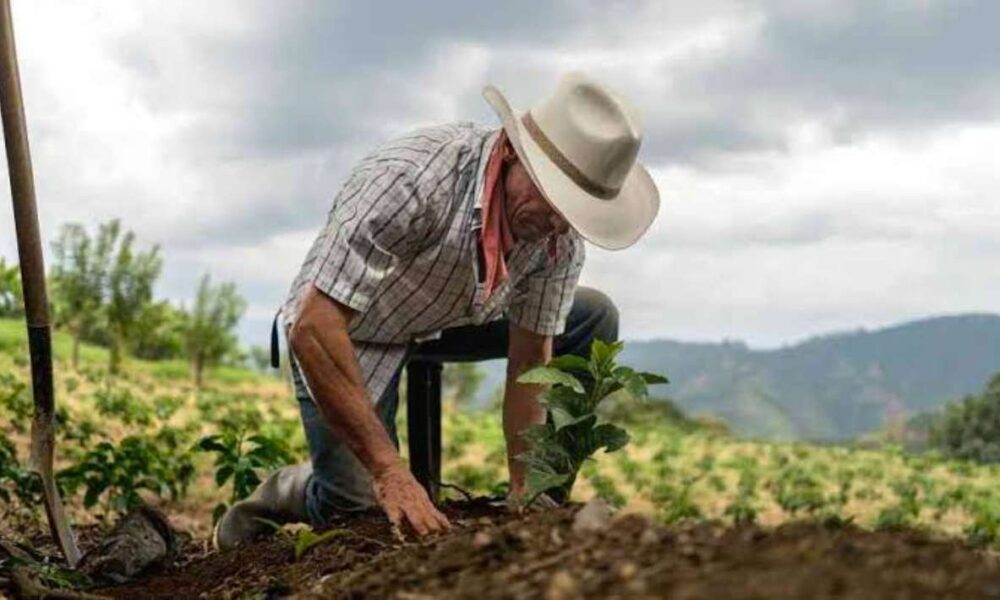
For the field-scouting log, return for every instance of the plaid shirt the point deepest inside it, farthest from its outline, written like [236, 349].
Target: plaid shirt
[400, 246]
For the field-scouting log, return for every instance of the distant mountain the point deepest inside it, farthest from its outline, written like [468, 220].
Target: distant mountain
[830, 387]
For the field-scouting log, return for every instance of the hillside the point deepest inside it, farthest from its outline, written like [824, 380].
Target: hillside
[831, 387]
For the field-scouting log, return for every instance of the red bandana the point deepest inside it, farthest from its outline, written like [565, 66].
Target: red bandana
[497, 237]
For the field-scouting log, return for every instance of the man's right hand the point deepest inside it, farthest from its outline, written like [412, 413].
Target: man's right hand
[403, 499]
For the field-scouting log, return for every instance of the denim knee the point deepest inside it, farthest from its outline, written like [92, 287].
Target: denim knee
[603, 314]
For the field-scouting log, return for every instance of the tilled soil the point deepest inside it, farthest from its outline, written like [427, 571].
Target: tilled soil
[494, 555]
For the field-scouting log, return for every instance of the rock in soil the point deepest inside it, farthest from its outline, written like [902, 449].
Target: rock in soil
[141, 539]
[594, 516]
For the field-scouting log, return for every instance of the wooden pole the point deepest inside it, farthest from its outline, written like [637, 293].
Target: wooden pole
[29, 250]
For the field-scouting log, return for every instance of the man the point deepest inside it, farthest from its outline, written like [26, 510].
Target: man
[454, 243]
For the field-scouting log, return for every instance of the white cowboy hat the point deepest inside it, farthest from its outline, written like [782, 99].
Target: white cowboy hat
[579, 146]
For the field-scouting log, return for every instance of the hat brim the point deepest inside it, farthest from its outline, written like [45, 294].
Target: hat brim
[613, 224]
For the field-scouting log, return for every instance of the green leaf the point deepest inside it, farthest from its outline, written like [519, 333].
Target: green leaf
[580, 426]
[561, 417]
[220, 509]
[539, 482]
[308, 539]
[549, 376]
[653, 378]
[223, 475]
[212, 444]
[610, 437]
[565, 398]
[536, 434]
[602, 353]
[570, 362]
[272, 524]
[632, 382]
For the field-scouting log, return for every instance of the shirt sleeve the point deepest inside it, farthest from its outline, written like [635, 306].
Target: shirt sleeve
[377, 221]
[541, 301]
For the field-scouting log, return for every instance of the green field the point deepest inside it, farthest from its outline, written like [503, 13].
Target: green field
[142, 430]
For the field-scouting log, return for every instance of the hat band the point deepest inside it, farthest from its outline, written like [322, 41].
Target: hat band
[569, 169]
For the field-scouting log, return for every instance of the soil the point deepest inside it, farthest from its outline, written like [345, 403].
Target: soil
[491, 554]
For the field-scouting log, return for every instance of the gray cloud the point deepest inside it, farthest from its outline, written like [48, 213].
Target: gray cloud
[856, 66]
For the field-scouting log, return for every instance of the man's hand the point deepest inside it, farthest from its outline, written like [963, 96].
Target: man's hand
[403, 499]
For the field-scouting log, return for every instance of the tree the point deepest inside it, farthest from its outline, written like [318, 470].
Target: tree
[11, 301]
[78, 278]
[970, 429]
[129, 293]
[209, 327]
[158, 333]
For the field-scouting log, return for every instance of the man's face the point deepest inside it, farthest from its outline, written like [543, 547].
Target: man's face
[530, 215]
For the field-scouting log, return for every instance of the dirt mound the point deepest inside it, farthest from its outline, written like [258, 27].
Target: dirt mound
[492, 555]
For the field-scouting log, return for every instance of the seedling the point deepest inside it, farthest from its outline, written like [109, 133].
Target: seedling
[571, 433]
[242, 458]
[304, 539]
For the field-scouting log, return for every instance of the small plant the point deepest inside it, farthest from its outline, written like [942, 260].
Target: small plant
[14, 401]
[571, 433]
[675, 501]
[797, 489]
[120, 471]
[743, 509]
[905, 512]
[165, 407]
[241, 458]
[985, 526]
[119, 402]
[304, 539]
[16, 481]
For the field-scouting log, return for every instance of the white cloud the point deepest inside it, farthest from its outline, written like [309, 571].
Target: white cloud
[783, 245]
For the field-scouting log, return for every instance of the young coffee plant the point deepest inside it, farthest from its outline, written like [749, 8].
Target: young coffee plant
[16, 480]
[119, 471]
[744, 508]
[571, 433]
[15, 403]
[242, 459]
[118, 402]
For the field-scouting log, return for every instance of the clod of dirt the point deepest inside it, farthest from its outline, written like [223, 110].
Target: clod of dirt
[140, 540]
[562, 586]
[481, 539]
[593, 517]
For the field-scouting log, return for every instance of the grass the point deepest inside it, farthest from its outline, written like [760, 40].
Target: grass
[13, 341]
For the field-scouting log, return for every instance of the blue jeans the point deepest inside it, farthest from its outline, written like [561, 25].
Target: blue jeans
[340, 484]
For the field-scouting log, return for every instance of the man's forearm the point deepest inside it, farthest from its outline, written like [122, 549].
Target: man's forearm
[521, 409]
[331, 369]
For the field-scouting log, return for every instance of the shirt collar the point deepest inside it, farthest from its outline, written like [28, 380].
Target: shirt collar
[484, 157]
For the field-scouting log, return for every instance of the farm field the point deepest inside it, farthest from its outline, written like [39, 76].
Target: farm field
[713, 503]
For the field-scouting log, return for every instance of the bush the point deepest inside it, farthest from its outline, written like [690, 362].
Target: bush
[159, 463]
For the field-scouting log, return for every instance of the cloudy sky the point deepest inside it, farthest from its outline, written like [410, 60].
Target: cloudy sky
[823, 165]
